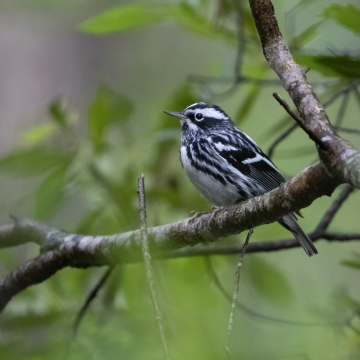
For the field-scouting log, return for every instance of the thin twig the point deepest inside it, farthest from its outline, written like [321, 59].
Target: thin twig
[148, 266]
[236, 290]
[256, 315]
[334, 208]
[299, 120]
[342, 109]
[92, 295]
[357, 95]
[346, 130]
[349, 87]
[280, 138]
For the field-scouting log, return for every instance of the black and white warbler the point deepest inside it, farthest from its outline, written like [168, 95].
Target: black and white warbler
[226, 165]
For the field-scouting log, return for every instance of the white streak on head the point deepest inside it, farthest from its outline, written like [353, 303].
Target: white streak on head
[212, 113]
[207, 110]
[191, 106]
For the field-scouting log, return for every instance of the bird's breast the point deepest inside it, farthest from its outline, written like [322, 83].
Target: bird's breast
[212, 186]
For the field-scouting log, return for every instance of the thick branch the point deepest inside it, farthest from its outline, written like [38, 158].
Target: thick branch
[298, 193]
[341, 158]
[61, 249]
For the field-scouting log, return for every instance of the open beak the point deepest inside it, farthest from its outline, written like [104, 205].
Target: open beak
[174, 113]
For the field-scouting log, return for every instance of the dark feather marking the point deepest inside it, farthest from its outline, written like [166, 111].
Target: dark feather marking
[200, 167]
[234, 158]
[261, 171]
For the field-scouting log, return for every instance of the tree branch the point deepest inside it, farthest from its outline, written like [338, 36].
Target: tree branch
[61, 249]
[341, 158]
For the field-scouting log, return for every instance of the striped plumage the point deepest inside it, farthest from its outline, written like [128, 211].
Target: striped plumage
[226, 165]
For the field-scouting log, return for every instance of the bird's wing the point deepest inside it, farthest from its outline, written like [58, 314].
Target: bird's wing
[244, 155]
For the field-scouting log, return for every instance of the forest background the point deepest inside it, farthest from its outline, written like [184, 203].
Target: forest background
[82, 89]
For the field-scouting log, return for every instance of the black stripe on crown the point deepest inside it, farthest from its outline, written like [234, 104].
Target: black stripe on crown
[202, 105]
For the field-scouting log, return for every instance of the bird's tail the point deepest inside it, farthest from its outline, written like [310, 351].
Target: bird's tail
[290, 223]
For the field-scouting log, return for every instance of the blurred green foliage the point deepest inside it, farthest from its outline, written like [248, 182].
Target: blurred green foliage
[87, 165]
[346, 16]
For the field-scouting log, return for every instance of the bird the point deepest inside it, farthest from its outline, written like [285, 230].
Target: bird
[226, 165]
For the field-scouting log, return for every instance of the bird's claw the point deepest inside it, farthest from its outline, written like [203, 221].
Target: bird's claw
[215, 211]
[194, 215]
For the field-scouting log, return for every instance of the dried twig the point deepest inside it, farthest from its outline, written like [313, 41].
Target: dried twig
[148, 266]
[236, 290]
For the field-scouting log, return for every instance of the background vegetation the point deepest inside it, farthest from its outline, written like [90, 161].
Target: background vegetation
[82, 89]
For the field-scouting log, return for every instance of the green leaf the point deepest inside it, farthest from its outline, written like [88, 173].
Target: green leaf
[188, 17]
[347, 16]
[57, 110]
[302, 3]
[134, 16]
[269, 281]
[333, 66]
[306, 36]
[107, 108]
[50, 193]
[352, 264]
[33, 161]
[247, 104]
[38, 133]
[124, 18]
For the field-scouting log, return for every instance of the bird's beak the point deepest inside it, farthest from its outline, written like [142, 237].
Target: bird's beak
[174, 113]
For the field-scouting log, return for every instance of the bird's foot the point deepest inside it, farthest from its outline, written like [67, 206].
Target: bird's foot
[215, 211]
[194, 214]
[214, 208]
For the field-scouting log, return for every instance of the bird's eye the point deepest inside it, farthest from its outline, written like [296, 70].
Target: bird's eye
[199, 116]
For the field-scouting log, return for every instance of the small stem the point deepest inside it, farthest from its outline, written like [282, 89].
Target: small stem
[236, 290]
[148, 266]
[299, 121]
[92, 295]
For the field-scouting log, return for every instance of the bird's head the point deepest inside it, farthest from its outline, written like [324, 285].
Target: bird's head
[202, 117]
